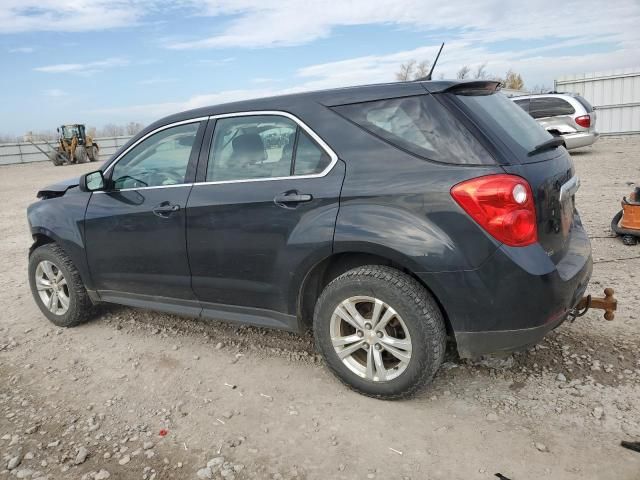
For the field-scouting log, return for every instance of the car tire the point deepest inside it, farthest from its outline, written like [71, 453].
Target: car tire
[414, 323]
[72, 303]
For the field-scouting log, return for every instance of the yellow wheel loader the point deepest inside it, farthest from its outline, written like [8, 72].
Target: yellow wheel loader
[74, 146]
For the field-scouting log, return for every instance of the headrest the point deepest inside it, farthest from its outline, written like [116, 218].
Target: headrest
[248, 142]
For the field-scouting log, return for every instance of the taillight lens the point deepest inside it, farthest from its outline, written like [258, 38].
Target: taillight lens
[502, 205]
[584, 121]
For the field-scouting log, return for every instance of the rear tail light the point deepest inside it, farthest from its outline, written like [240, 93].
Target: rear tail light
[502, 205]
[584, 121]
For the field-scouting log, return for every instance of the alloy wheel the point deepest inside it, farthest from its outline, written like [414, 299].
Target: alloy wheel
[52, 287]
[370, 338]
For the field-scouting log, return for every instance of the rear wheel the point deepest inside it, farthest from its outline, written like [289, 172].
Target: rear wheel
[93, 153]
[57, 287]
[380, 332]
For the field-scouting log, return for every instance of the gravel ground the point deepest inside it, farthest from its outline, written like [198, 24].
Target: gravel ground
[142, 395]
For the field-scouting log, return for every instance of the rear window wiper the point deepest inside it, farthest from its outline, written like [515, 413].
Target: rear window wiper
[548, 145]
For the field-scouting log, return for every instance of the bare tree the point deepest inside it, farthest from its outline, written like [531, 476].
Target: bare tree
[8, 138]
[513, 80]
[111, 130]
[422, 70]
[133, 128]
[481, 72]
[406, 71]
[412, 70]
[463, 72]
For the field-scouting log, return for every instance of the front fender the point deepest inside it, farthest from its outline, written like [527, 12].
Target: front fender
[62, 220]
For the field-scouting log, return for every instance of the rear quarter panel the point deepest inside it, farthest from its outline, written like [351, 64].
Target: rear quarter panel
[399, 206]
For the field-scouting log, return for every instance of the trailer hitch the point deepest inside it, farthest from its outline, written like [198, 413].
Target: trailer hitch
[608, 303]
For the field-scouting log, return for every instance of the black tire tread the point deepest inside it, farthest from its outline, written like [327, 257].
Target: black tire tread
[433, 327]
[81, 306]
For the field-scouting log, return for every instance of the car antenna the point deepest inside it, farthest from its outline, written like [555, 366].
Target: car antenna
[428, 76]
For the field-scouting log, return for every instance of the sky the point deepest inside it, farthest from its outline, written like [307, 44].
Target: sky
[115, 61]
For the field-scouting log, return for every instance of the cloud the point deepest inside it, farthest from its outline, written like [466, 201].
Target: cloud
[88, 68]
[22, 50]
[68, 16]
[537, 66]
[55, 92]
[276, 23]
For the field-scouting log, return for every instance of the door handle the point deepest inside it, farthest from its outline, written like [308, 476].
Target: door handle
[165, 209]
[289, 199]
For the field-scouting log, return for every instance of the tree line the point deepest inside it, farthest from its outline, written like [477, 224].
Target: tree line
[108, 130]
[413, 70]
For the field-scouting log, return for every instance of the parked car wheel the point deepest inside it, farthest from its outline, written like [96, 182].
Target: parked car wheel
[57, 287]
[380, 332]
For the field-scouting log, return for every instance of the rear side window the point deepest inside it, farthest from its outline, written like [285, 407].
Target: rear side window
[550, 107]
[421, 126]
[497, 114]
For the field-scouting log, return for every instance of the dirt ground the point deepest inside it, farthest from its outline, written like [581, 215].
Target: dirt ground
[93, 402]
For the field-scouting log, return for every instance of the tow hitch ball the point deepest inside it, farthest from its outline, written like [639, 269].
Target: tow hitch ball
[608, 303]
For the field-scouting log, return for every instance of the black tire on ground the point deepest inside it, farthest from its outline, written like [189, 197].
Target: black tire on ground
[418, 310]
[93, 153]
[55, 158]
[80, 305]
[81, 154]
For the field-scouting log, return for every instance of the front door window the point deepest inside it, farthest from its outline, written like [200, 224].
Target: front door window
[160, 160]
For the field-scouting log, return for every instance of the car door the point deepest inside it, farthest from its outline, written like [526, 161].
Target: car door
[263, 214]
[135, 231]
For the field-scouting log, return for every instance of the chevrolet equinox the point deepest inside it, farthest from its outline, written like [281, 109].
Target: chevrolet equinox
[386, 218]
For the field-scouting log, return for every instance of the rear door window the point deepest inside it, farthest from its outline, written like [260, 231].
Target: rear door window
[263, 146]
[550, 107]
[419, 125]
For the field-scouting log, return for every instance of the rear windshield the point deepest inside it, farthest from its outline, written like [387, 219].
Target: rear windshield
[504, 118]
[421, 126]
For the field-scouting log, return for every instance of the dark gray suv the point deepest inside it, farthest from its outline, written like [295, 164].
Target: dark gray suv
[387, 218]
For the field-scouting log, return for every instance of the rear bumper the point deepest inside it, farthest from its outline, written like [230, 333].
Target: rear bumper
[580, 139]
[515, 297]
[474, 344]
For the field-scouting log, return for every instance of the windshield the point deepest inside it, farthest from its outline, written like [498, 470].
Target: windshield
[69, 132]
[506, 119]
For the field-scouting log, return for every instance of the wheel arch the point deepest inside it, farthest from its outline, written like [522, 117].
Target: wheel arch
[42, 236]
[40, 239]
[331, 267]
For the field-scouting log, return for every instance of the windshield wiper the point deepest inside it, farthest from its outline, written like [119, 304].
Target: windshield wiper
[548, 145]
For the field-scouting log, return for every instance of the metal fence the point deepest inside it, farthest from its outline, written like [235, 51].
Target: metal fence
[27, 152]
[615, 94]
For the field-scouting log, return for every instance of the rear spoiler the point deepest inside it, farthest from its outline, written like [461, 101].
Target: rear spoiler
[474, 87]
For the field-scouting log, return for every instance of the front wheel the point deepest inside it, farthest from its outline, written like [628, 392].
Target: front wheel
[57, 287]
[380, 332]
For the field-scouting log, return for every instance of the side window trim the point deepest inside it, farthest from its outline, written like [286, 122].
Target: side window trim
[292, 167]
[300, 125]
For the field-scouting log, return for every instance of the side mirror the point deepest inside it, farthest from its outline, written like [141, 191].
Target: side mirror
[92, 182]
